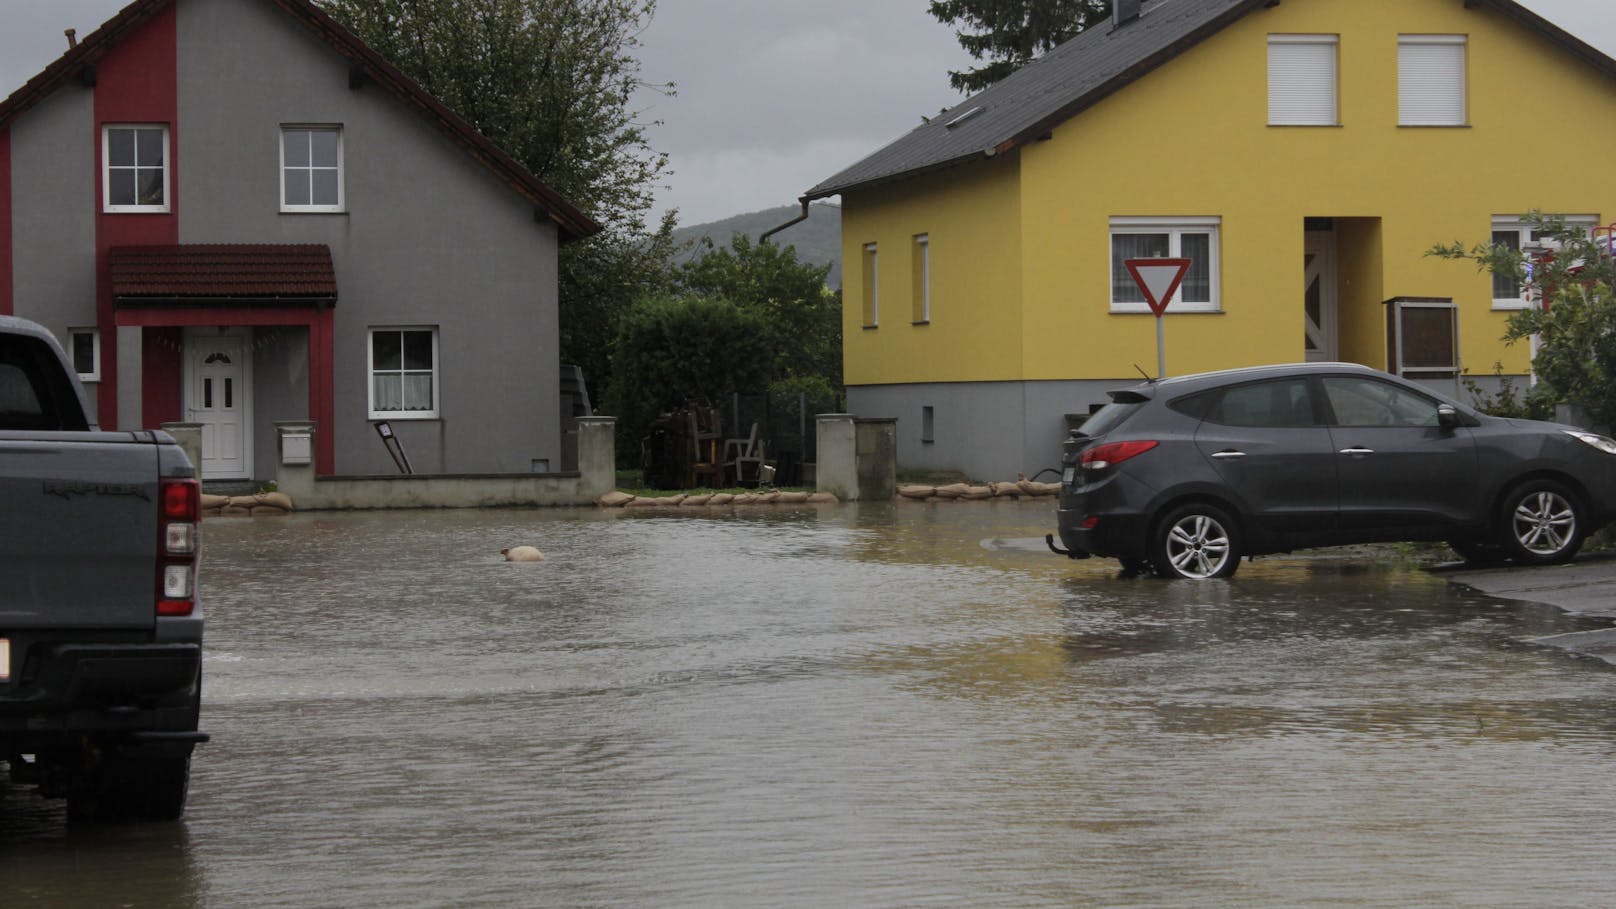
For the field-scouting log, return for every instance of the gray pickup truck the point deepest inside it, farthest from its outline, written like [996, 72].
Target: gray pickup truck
[100, 623]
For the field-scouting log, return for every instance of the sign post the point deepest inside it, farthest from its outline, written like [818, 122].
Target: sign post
[1158, 280]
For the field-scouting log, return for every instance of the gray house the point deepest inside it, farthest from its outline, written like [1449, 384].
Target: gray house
[234, 213]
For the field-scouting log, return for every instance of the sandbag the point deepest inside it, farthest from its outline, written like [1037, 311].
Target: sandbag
[823, 498]
[951, 491]
[274, 500]
[917, 492]
[614, 499]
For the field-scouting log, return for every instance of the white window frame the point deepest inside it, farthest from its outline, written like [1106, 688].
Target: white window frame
[1525, 240]
[107, 169]
[871, 261]
[370, 373]
[922, 278]
[1433, 80]
[94, 375]
[1304, 80]
[341, 169]
[1175, 228]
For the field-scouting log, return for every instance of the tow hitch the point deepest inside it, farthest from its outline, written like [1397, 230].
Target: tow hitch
[1049, 540]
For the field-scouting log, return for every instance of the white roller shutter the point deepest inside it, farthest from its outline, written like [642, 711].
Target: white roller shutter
[1302, 80]
[1431, 80]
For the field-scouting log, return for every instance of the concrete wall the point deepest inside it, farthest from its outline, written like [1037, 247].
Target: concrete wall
[992, 431]
[429, 238]
[596, 475]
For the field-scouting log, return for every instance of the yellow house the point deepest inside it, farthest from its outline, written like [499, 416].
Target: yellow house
[1303, 154]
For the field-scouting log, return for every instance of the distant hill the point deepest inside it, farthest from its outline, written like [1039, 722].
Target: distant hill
[818, 240]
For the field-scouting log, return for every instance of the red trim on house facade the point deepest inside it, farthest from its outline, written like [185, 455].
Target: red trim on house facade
[320, 322]
[8, 303]
[136, 82]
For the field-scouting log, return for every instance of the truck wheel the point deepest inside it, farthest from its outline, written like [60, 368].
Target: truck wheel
[1194, 542]
[123, 788]
[1542, 523]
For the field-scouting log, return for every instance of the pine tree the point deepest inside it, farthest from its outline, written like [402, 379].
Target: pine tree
[1010, 33]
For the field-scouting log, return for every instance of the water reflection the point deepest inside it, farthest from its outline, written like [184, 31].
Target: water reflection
[887, 705]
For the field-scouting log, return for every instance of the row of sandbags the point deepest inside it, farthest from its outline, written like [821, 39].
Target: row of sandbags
[264, 504]
[619, 499]
[1022, 488]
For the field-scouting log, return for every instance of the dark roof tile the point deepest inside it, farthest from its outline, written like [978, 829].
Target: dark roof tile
[234, 271]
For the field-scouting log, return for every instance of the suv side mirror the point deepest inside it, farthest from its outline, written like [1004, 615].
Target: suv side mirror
[1448, 417]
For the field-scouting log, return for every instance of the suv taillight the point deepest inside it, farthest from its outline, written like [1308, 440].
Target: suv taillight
[177, 546]
[1113, 453]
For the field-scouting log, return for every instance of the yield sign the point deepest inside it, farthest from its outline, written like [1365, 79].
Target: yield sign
[1158, 279]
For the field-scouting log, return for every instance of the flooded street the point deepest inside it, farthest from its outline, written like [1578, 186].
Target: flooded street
[889, 705]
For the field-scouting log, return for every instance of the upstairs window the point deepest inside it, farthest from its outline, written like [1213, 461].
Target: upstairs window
[1195, 239]
[1431, 80]
[311, 168]
[921, 304]
[1302, 86]
[403, 373]
[136, 169]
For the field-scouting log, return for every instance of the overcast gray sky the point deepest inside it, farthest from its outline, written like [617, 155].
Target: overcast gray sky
[774, 95]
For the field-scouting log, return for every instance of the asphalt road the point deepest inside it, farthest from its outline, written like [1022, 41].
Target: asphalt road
[1587, 586]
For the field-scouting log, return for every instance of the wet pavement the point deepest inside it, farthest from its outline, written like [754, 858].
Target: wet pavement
[880, 705]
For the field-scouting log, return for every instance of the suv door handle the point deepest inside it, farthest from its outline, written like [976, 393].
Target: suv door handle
[1357, 451]
[1231, 453]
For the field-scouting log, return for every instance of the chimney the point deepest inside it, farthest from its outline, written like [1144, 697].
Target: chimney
[72, 38]
[1124, 11]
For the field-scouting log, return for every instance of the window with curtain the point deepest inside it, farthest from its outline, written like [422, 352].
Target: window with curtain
[1431, 80]
[1302, 83]
[403, 373]
[1195, 239]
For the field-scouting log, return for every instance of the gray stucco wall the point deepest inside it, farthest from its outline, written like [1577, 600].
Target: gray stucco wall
[429, 238]
[991, 431]
[53, 213]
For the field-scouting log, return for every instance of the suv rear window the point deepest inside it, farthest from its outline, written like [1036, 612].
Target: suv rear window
[1110, 417]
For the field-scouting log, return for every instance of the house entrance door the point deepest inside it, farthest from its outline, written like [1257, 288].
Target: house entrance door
[218, 370]
[1319, 300]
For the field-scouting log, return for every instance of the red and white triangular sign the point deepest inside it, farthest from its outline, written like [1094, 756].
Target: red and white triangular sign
[1158, 279]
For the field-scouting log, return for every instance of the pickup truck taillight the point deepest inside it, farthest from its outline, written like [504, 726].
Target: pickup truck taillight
[177, 546]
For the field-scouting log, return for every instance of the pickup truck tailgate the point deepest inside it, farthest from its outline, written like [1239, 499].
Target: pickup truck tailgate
[78, 530]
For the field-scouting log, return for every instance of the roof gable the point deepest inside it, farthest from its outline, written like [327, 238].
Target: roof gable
[1102, 60]
[365, 65]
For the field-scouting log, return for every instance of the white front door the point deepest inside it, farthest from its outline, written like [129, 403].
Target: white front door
[217, 367]
[1319, 300]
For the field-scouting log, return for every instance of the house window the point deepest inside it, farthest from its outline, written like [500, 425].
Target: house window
[1195, 239]
[1431, 80]
[1302, 80]
[136, 162]
[1515, 233]
[84, 346]
[311, 168]
[921, 304]
[403, 373]
[872, 287]
[928, 419]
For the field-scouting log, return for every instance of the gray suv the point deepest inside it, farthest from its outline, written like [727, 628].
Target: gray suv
[1187, 475]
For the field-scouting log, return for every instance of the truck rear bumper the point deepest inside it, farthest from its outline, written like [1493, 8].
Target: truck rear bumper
[92, 686]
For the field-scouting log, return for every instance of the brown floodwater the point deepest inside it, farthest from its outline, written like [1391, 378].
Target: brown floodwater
[866, 706]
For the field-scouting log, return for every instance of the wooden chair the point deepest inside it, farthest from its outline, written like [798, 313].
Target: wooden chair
[743, 458]
[705, 430]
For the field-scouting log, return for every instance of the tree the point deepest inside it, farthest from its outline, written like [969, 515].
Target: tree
[803, 315]
[550, 82]
[1576, 356]
[1010, 33]
[670, 350]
